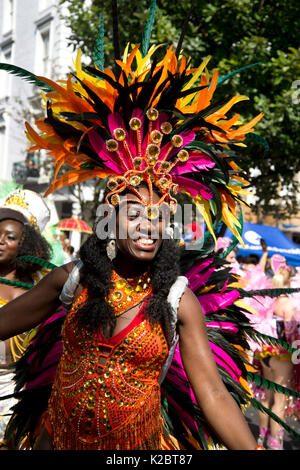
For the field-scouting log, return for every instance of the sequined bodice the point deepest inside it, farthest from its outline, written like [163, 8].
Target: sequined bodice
[97, 399]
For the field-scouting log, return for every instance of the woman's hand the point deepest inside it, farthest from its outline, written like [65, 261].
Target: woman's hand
[219, 408]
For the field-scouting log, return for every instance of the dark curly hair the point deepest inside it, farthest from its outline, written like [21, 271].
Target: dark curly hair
[96, 274]
[34, 244]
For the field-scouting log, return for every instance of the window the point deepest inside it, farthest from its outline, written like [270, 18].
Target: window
[45, 36]
[5, 56]
[8, 16]
[43, 50]
[2, 135]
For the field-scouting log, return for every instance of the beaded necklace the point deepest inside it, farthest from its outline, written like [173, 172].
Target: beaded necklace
[125, 294]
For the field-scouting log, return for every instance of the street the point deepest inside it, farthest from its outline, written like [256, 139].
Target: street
[290, 443]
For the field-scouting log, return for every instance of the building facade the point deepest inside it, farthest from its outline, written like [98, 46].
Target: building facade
[32, 36]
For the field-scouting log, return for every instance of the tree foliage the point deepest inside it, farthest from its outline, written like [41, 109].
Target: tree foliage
[236, 33]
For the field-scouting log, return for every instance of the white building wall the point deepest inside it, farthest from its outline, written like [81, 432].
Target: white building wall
[22, 35]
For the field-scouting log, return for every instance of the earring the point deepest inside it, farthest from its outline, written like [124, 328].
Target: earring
[169, 232]
[111, 249]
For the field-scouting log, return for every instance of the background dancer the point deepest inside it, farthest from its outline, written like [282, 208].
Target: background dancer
[23, 217]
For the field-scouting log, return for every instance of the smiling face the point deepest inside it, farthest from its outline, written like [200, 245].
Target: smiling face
[137, 236]
[10, 236]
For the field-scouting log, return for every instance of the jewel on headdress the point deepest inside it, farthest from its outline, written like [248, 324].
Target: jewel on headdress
[163, 183]
[174, 188]
[152, 212]
[112, 184]
[115, 199]
[164, 166]
[137, 162]
[177, 140]
[173, 206]
[112, 145]
[135, 123]
[166, 127]
[152, 114]
[183, 155]
[119, 133]
[153, 150]
[156, 137]
[135, 180]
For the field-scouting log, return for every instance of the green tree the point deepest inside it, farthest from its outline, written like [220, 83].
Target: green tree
[236, 33]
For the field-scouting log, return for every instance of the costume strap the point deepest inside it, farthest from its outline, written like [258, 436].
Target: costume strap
[67, 294]
[175, 294]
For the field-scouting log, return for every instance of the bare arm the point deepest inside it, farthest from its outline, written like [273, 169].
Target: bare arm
[264, 256]
[219, 408]
[33, 307]
[284, 308]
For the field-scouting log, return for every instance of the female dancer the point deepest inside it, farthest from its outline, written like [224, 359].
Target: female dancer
[152, 133]
[129, 349]
[18, 238]
[276, 362]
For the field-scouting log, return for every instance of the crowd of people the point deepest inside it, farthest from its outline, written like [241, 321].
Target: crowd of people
[278, 317]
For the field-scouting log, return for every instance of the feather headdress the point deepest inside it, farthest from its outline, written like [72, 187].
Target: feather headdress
[149, 121]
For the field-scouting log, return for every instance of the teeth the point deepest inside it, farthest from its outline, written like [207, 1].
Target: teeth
[146, 241]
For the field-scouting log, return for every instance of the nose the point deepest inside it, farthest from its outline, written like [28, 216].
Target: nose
[149, 227]
[2, 238]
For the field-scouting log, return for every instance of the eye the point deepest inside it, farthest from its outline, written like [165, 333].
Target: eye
[12, 237]
[134, 212]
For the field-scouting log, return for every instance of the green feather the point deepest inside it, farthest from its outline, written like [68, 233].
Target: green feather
[273, 386]
[25, 75]
[99, 49]
[256, 336]
[235, 240]
[262, 408]
[41, 262]
[258, 139]
[148, 28]
[269, 292]
[223, 78]
[9, 282]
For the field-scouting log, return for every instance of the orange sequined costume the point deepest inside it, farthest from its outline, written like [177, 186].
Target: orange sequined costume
[115, 406]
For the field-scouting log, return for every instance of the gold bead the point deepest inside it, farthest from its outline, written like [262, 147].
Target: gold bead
[135, 123]
[152, 114]
[152, 212]
[177, 140]
[115, 199]
[119, 134]
[128, 290]
[138, 289]
[163, 183]
[164, 166]
[137, 162]
[156, 137]
[135, 180]
[166, 127]
[129, 298]
[117, 296]
[120, 283]
[183, 155]
[112, 184]
[153, 150]
[112, 145]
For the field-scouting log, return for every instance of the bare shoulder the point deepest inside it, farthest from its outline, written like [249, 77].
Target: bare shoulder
[189, 307]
